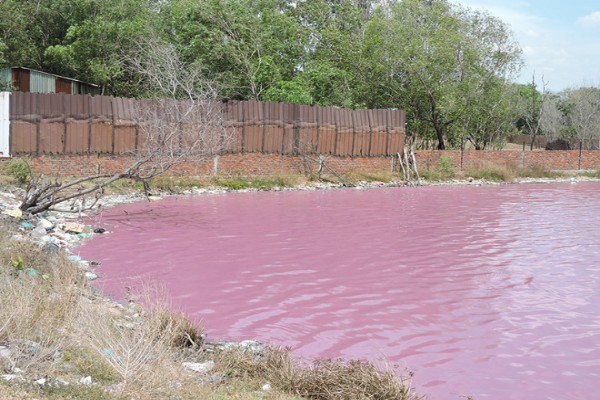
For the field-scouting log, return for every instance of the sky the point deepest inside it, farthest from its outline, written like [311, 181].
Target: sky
[560, 38]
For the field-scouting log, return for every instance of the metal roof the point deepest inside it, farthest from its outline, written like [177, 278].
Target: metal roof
[58, 76]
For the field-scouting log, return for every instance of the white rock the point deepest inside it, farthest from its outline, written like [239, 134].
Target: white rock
[13, 377]
[74, 227]
[86, 381]
[199, 367]
[44, 223]
[5, 352]
[38, 232]
[90, 275]
[15, 213]
[266, 387]
[62, 382]
[6, 361]
[41, 381]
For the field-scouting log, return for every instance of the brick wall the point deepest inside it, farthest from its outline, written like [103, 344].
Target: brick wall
[554, 160]
[258, 164]
[254, 164]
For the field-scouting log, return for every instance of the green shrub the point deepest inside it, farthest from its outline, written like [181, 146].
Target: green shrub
[233, 183]
[19, 170]
[592, 174]
[443, 171]
[537, 171]
[492, 172]
[445, 166]
[239, 183]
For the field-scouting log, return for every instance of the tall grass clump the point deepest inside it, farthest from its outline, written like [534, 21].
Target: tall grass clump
[443, 171]
[261, 183]
[492, 172]
[321, 380]
[592, 174]
[371, 177]
[40, 295]
[538, 171]
[17, 169]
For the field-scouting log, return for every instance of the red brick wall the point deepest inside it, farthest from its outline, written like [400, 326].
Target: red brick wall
[554, 160]
[255, 164]
[275, 164]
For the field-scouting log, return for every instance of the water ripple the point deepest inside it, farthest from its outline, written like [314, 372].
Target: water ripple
[492, 292]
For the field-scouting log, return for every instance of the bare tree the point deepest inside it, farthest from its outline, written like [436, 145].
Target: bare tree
[584, 114]
[532, 108]
[183, 124]
[552, 120]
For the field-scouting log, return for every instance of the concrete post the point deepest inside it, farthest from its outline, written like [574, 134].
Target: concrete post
[4, 124]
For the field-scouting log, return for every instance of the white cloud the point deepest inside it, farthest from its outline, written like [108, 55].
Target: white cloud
[563, 54]
[590, 20]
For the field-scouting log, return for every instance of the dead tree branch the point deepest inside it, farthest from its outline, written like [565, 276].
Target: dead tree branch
[184, 124]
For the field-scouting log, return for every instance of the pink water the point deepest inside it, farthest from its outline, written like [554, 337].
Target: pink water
[490, 291]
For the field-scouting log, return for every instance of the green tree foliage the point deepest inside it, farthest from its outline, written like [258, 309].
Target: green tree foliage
[94, 42]
[249, 46]
[448, 67]
[332, 61]
[435, 60]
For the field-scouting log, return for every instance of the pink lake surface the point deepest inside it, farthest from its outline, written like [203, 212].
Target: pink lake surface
[491, 291]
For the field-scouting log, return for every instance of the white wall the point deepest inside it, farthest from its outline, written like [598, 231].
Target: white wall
[4, 124]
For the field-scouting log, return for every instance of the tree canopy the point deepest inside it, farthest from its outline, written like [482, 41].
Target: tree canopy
[449, 67]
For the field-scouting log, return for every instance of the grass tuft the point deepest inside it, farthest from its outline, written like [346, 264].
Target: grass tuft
[323, 380]
[592, 174]
[492, 172]
[240, 183]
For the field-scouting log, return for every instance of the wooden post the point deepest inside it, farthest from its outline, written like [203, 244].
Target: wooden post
[580, 151]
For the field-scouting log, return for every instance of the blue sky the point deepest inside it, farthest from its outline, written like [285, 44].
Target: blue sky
[560, 39]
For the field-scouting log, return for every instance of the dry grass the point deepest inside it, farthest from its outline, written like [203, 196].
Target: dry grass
[39, 299]
[508, 172]
[323, 380]
[492, 172]
[371, 177]
[592, 174]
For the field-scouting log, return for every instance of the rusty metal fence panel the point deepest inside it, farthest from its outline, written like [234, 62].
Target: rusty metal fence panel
[234, 126]
[253, 126]
[80, 124]
[273, 127]
[306, 127]
[379, 132]
[327, 130]
[362, 136]
[396, 121]
[289, 133]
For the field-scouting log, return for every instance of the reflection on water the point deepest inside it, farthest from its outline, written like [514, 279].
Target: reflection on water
[492, 292]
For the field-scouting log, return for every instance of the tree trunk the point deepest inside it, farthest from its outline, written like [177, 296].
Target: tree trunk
[439, 131]
[532, 141]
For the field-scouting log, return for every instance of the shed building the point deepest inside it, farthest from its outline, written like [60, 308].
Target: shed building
[30, 80]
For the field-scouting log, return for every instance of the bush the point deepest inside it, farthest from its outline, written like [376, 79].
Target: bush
[443, 171]
[19, 170]
[492, 172]
[558, 144]
[323, 380]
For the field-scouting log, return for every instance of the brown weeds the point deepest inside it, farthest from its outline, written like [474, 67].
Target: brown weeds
[323, 380]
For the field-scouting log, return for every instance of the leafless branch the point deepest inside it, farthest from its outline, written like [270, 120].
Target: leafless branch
[183, 125]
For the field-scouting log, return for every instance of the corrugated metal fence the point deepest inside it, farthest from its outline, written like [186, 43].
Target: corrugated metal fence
[79, 124]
